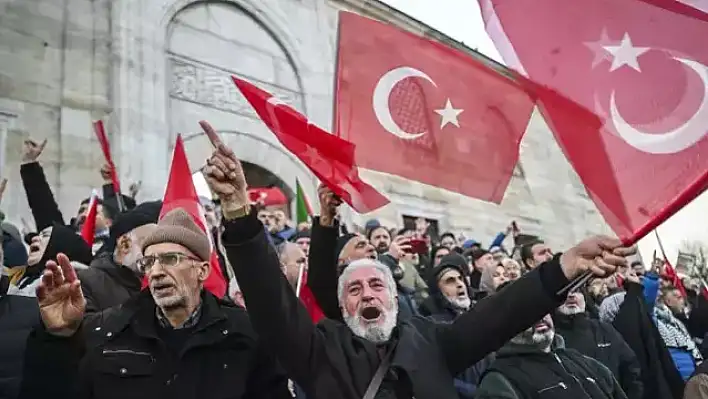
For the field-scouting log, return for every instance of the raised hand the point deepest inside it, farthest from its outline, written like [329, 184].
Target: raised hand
[106, 173]
[224, 173]
[61, 302]
[135, 188]
[32, 150]
[329, 204]
[600, 254]
[399, 247]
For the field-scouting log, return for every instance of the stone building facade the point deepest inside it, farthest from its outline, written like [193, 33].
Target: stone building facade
[152, 69]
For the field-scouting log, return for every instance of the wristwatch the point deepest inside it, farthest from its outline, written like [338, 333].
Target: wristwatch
[236, 213]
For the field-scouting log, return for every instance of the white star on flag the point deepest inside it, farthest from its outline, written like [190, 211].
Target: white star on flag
[625, 54]
[316, 160]
[598, 48]
[449, 115]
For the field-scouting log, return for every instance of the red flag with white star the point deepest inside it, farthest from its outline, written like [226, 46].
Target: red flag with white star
[624, 87]
[427, 112]
[330, 158]
[180, 193]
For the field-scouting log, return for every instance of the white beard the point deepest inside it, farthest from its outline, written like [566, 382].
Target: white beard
[460, 303]
[570, 310]
[542, 341]
[376, 333]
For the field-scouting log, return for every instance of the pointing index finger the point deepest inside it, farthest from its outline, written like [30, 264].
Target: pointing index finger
[211, 133]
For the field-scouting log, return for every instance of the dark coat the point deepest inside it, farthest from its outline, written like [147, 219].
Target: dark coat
[329, 361]
[18, 316]
[120, 353]
[602, 342]
[522, 372]
[106, 284]
[322, 268]
[659, 375]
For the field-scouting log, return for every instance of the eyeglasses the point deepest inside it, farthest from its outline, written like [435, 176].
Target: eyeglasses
[167, 259]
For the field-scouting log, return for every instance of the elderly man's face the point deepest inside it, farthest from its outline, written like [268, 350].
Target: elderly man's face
[574, 304]
[368, 304]
[129, 249]
[357, 248]
[175, 275]
[540, 335]
[452, 285]
[292, 260]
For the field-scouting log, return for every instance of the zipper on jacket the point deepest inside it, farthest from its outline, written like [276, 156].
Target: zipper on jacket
[580, 384]
[558, 385]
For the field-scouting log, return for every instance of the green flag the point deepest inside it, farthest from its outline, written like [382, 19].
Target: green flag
[302, 205]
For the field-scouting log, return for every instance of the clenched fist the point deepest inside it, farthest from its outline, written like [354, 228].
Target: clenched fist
[224, 173]
[32, 150]
[329, 203]
[600, 254]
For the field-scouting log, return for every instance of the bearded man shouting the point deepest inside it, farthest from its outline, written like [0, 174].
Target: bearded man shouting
[374, 353]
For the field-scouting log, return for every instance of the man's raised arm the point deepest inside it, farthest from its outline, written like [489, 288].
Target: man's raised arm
[498, 318]
[275, 312]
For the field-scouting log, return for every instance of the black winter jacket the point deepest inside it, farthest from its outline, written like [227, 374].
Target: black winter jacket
[524, 372]
[18, 316]
[602, 342]
[120, 353]
[329, 361]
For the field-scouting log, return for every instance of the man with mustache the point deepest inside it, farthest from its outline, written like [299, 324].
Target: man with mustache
[373, 352]
[174, 339]
[599, 341]
[535, 364]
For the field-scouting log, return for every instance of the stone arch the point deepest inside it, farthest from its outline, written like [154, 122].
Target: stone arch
[140, 120]
[205, 45]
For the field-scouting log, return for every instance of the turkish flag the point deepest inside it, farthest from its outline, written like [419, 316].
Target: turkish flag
[180, 193]
[421, 110]
[624, 87]
[330, 158]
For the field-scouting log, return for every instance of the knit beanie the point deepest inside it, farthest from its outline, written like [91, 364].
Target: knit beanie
[178, 227]
[342, 242]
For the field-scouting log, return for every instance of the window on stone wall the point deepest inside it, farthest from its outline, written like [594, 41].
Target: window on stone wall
[409, 222]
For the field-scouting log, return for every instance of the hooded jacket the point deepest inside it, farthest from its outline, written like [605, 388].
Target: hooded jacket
[62, 240]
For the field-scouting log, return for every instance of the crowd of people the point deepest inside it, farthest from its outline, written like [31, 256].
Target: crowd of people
[393, 313]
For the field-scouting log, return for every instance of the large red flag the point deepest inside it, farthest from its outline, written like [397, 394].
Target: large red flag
[180, 193]
[418, 109]
[330, 158]
[624, 87]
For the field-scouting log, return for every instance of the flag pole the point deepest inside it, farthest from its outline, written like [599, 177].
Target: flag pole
[684, 198]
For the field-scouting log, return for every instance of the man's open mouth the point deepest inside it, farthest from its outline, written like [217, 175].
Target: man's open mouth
[541, 327]
[371, 313]
[34, 248]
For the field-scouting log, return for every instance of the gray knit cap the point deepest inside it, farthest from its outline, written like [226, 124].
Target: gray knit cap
[178, 227]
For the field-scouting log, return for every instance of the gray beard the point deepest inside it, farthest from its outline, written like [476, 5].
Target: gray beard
[460, 303]
[570, 310]
[376, 333]
[542, 341]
